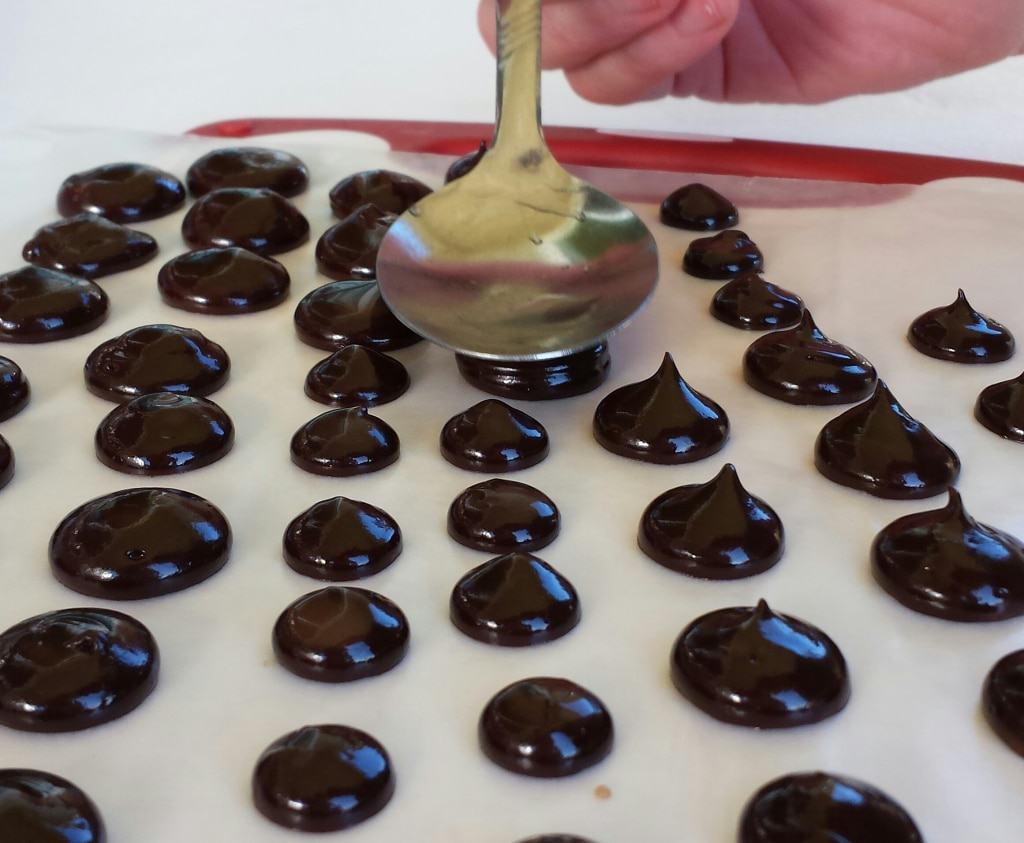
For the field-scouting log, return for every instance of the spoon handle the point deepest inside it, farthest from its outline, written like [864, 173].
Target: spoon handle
[518, 125]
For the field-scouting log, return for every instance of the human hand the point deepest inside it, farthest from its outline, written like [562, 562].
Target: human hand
[618, 51]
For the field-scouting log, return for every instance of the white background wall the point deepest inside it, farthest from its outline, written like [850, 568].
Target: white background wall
[172, 64]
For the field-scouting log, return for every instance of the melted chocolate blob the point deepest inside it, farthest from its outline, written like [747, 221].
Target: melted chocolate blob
[879, 448]
[88, 246]
[340, 634]
[344, 443]
[14, 389]
[37, 807]
[696, 207]
[41, 305]
[715, 530]
[257, 219]
[6, 463]
[493, 437]
[1003, 700]
[342, 539]
[500, 516]
[389, 192]
[946, 564]
[356, 376]
[73, 669]
[322, 778]
[539, 380]
[348, 250]
[516, 600]
[140, 543]
[661, 420]
[156, 358]
[164, 433]
[248, 166]
[752, 667]
[121, 192]
[547, 728]
[350, 313]
[802, 366]
[722, 257]
[824, 808]
[960, 334]
[753, 304]
[462, 166]
[224, 281]
[1000, 408]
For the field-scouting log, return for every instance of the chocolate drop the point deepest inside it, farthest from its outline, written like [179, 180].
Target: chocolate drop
[42, 305]
[344, 443]
[340, 635]
[223, 281]
[389, 192]
[1003, 700]
[516, 600]
[462, 166]
[342, 539]
[751, 667]
[696, 207]
[74, 669]
[546, 728]
[944, 563]
[6, 463]
[493, 437]
[257, 219]
[357, 376]
[249, 167]
[344, 313]
[38, 807]
[753, 304]
[163, 433]
[724, 256]
[879, 448]
[348, 249]
[960, 334]
[121, 192]
[715, 530]
[500, 516]
[801, 365]
[88, 246]
[538, 380]
[322, 778]
[822, 807]
[156, 358]
[661, 420]
[14, 389]
[140, 543]
[556, 838]
[1000, 408]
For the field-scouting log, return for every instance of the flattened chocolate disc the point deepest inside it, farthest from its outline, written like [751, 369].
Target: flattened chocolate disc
[341, 634]
[344, 443]
[1000, 408]
[37, 807]
[322, 778]
[492, 436]
[224, 281]
[461, 166]
[753, 304]
[248, 166]
[960, 334]
[500, 516]
[6, 463]
[164, 433]
[43, 305]
[1003, 700]
[348, 249]
[546, 728]
[14, 389]
[724, 256]
[538, 380]
[140, 543]
[389, 192]
[253, 218]
[156, 358]
[357, 376]
[341, 539]
[696, 207]
[121, 192]
[350, 313]
[73, 669]
[88, 246]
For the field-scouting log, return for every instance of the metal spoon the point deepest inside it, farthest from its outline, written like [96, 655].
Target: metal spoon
[518, 259]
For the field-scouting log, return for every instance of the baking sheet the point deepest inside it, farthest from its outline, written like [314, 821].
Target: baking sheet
[179, 767]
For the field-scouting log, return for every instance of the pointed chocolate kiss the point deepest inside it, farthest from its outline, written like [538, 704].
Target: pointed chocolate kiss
[722, 257]
[462, 166]
[960, 334]
[492, 436]
[356, 376]
[697, 207]
[344, 313]
[1000, 408]
[344, 443]
[753, 304]
[348, 249]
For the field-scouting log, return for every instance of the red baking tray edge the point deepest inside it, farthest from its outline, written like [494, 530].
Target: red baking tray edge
[591, 147]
